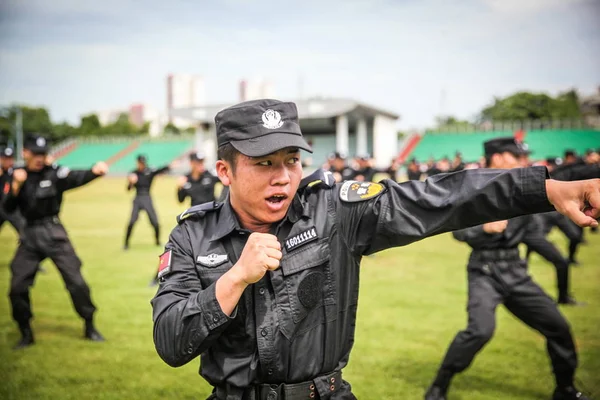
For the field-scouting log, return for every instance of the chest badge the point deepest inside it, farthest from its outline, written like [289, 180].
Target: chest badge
[301, 239]
[212, 260]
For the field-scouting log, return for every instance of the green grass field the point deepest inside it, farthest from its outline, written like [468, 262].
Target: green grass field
[412, 303]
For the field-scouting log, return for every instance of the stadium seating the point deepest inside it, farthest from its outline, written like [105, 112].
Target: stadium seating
[158, 153]
[87, 154]
[543, 143]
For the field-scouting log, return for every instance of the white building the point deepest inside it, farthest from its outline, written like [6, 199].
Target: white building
[139, 114]
[253, 89]
[328, 125]
[184, 90]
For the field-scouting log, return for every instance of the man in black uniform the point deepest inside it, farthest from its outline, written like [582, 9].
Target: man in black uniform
[37, 191]
[365, 171]
[497, 275]
[340, 170]
[199, 184]
[264, 286]
[7, 162]
[575, 170]
[141, 179]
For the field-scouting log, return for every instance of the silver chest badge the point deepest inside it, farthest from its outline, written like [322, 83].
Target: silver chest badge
[212, 260]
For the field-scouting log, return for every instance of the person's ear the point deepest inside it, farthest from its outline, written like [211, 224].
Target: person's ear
[224, 172]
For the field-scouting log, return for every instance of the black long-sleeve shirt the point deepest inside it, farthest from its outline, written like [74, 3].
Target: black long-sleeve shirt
[144, 179]
[42, 192]
[298, 321]
[576, 171]
[201, 190]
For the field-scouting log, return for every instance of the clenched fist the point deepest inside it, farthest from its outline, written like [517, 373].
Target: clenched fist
[181, 181]
[495, 227]
[101, 168]
[19, 176]
[261, 254]
[132, 179]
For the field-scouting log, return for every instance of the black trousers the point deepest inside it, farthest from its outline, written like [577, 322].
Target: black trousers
[140, 203]
[47, 239]
[506, 282]
[15, 219]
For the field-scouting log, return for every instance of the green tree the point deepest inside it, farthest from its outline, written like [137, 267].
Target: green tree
[533, 106]
[64, 131]
[90, 125]
[172, 129]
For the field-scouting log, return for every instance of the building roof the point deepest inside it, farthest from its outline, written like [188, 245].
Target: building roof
[313, 108]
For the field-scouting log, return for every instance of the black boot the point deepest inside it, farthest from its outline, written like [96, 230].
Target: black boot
[439, 387]
[91, 333]
[568, 393]
[569, 300]
[435, 393]
[26, 337]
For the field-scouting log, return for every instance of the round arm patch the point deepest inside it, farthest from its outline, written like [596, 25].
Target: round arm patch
[355, 191]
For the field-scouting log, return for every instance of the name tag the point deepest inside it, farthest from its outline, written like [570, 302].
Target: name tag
[301, 239]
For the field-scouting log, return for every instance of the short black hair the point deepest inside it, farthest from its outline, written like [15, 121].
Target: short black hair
[228, 153]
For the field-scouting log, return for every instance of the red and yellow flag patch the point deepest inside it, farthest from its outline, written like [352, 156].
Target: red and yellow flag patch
[164, 264]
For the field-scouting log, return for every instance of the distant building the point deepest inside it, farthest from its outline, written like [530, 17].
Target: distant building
[107, 117]
[328, 124]
[254, 89]
[139, 114]
[184, 90]
[590, 108]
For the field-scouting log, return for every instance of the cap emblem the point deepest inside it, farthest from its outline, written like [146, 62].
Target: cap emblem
[40, 142]
[272, 119]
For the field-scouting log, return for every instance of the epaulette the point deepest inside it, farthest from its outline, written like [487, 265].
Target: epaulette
[199, 211]
[320, 179]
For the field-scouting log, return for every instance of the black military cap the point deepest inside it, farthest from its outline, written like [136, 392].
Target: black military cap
[260, 127]
[504, 144]
[37, 144]
[570, 153]
[8, 152]
[197, 156]
[142, 158]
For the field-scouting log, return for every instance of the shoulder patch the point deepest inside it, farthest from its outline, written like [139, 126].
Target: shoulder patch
[199, 211]
[318, 179]
[354, 191]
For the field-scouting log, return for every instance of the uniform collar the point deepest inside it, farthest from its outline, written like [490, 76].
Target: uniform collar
[228, 221]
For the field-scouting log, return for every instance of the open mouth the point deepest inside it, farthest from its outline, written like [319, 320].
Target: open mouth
[277, 198]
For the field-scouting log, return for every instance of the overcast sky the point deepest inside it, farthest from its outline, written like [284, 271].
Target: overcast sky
[78, 56]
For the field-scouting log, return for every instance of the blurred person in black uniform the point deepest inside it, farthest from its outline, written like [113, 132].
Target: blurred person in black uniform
[458, 163]
[338, 167]
[575, 170]
[37, 191]
[141, 179]
[535, 240]
[199, 184]
[570, 157]
[265, 286]
[7, 162]
[365, 171]
[497, 275]
[412, 170]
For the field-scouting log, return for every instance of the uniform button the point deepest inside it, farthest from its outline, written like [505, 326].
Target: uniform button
[270, 371]
[332, 379]
[261, 290]
[216, 318]
[312, 395]
[264, 332]
[332, 388]
[312, 387]
[190, 350]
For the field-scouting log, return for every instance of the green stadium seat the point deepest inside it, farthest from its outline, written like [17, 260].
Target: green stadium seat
[85, 155]
[543, 143]
[158, 153]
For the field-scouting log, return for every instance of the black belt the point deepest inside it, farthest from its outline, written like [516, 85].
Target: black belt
[43, 221]
[496, 255]
[321, 387]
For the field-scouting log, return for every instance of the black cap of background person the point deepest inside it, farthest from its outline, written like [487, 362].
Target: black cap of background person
[570, 153]
[259, 127]
[504, 144]
[37, 144]
[197, 156]
[142, 158]
[7, 152]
